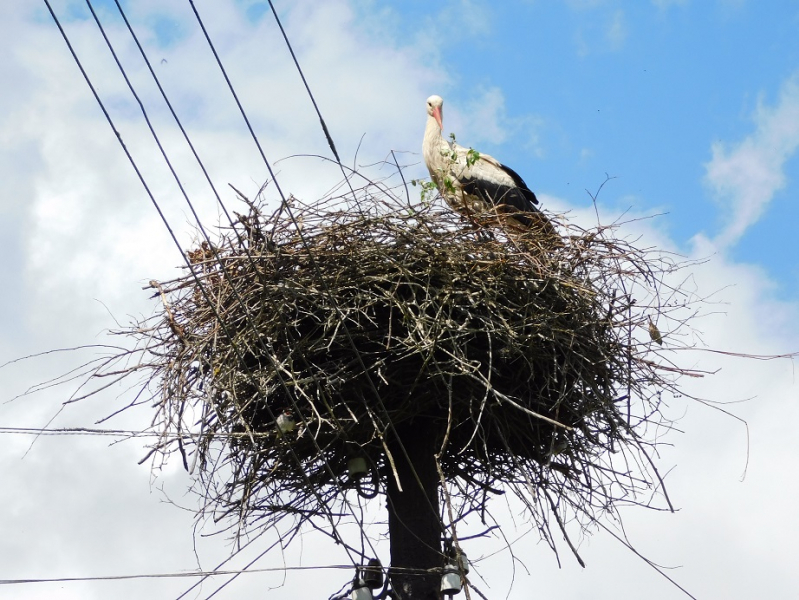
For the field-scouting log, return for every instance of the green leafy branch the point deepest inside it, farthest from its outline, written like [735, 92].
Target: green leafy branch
[429, 188]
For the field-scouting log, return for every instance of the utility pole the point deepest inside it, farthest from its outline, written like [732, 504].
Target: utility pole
[414, 524]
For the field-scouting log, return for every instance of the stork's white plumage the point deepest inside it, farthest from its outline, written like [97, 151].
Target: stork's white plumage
[475, 184]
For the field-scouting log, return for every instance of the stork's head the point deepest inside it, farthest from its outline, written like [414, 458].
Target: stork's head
[435, 109]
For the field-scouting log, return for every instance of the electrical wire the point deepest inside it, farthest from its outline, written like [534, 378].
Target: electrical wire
[313, 100]
[87, 431]
[183, 574]
[305, 83]
[127, 433]
[179, 574]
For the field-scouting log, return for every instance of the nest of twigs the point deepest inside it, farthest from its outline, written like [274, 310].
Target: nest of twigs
[528, 354]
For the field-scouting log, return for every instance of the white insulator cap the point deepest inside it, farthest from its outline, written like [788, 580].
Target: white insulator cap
[451, 580]
[360, 591]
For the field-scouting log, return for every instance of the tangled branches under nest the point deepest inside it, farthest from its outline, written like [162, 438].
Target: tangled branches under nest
[529, 356]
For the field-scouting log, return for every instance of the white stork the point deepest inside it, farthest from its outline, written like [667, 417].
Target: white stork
[476, 184]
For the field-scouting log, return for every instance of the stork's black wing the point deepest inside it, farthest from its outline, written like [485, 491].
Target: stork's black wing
[528, 193]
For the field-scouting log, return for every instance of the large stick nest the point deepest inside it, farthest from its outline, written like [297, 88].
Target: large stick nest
[530, 354]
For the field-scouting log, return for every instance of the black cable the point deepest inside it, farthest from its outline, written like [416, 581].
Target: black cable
[305, 83]
[181, 574]
[75, 431]
[89, 431]
[313, 101]
[241, 109]
[177, 120]
[229, 581]
[224, 562]
[114, 129]
[169, 575]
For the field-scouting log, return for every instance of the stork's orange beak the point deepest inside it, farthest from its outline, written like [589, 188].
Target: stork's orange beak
[437, 117]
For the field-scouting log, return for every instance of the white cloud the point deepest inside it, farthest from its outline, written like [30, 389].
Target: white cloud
[709, 450]
[617, 30]
[744, 176]
[483, 119]
[606, 34]
[468, 17]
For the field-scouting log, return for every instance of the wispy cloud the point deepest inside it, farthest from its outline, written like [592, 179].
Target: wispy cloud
[488, 110]
[471, 17]
[616, 32]
[484, 119]
[744, 176]
[608, 32]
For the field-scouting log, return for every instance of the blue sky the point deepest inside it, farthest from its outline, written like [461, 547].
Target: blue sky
[638, 91]
[692, 106]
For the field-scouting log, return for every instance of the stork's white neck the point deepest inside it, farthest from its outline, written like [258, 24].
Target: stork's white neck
[433, 143]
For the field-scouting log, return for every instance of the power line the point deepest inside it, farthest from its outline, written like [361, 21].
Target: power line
[228, 559]
[313, 101]
[305, 83]
[181, 574]
[184, 574]
[177, 120]
[90, 431]
[76, 431]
